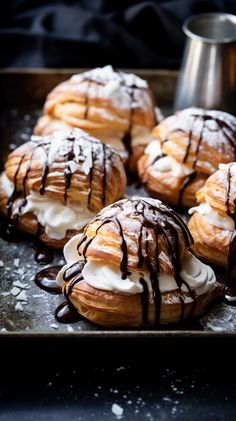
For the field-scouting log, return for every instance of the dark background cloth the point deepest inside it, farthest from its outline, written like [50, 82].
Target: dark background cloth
[87, 33]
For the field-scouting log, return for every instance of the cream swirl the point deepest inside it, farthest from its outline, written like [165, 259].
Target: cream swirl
[107, 277]
[53, 215]
[198, 276]
[212, 217]
[166, 163]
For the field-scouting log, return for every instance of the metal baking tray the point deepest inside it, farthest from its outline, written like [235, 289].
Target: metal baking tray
[31, 314]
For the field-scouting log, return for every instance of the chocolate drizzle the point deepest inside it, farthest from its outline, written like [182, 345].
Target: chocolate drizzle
[189, 142]
[87, 100]
[66, 313]
[230, 287]
[100, 80]
[188, 180]
[155, 218]
[97, 149]
[228, 131]
[67, 172]
[45, 279]
[104, 177]
[91, 177]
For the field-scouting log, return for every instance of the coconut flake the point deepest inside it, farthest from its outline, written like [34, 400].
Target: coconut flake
[5, 294]
[215, 328]
[22, 296]
[70, 329]
[15, 291]
[21, 285]
[54, 326]
[19, 307]
[16, 262]
[117, 410]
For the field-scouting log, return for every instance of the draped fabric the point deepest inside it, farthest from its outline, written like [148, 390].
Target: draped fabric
[87, 33]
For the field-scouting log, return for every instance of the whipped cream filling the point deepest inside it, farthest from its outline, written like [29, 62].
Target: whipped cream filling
[53, 215]
[166, 163]
[196, 274]
[212, 217]
[71, 256]
[107, 277]
[56, 217]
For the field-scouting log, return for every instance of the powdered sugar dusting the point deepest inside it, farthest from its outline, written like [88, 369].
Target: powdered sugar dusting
[216, 128]
[106, 75]
[115, 86]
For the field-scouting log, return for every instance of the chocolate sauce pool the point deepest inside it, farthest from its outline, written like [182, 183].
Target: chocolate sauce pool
[46, 280]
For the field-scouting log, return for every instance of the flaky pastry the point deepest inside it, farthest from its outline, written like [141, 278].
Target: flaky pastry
[116, 107]
[132, 267]
[212, 223]
[189, 147]
[53, 185]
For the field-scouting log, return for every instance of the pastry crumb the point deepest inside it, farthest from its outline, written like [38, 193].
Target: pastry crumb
[15, 291]
[20, 271]
[54, 326]
[5, 294]
[215, 328]
[70, 329]
[117, 410]
[21, 285]
[16, 262]
[19, 307]
[22, 296]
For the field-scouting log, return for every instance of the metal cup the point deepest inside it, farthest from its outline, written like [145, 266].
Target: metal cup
[207, 76]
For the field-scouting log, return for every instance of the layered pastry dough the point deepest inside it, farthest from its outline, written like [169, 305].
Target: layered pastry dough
[189, 147]
[116, 107]
[212, 223]
[132, 267]
[53, 185]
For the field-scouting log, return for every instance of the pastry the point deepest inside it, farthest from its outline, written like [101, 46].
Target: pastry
[189, 147]
[53, 185]
[212, 223]
[116, 107]
[132, 267]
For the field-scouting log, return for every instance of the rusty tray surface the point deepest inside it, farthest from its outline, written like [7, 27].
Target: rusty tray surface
[26, 310]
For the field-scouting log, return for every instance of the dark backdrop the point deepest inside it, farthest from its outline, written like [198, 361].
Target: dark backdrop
[86, 33]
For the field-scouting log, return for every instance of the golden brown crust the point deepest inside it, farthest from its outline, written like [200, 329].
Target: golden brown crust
[55, 181]
[211, 242]
[101, 102]
[201, 138]
[166, 186]
[103, 234]
[96, 175]
[138, 238]
[115, 310]
[214, 191]
[28, 223]
[198, 140]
